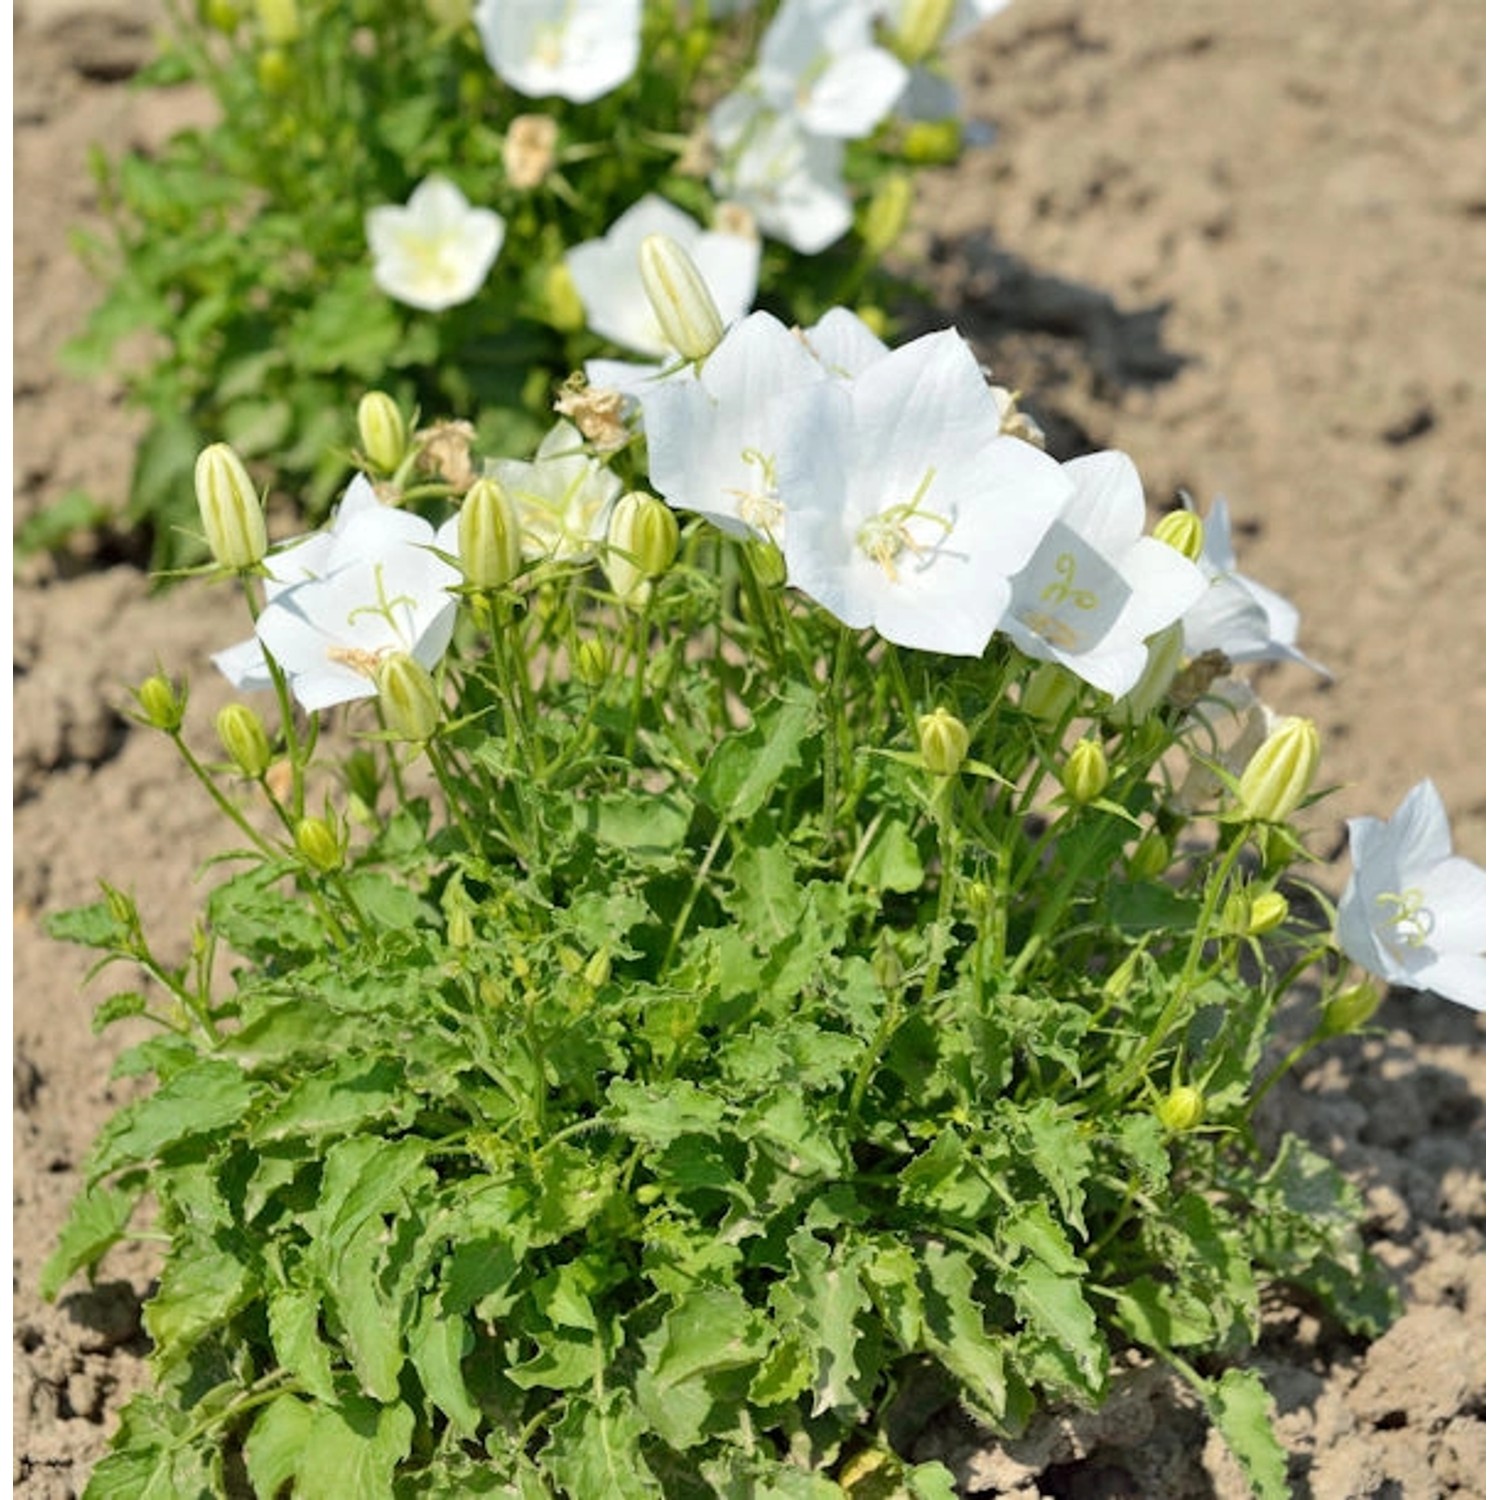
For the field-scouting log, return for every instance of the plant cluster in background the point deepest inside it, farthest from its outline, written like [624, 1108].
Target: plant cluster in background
[437, 197]
[796, 942]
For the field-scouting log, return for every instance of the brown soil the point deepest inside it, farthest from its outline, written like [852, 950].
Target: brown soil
[1244, 244]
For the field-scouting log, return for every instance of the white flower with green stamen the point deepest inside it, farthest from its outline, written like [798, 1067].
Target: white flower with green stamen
[578, 50]
[562, 497]
[435, 250]
[905, 509]
[1413, 912]
[1096, 588]
[382, 588]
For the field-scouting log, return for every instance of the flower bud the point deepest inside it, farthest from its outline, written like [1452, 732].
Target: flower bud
[1182, 531]
[1182, 1110]
[162, 705]
[1050, 692]
[1247, 915]
[1085, 774]
[642, 544]
[222, 15]
[382, 431]
[591, 661]
[273, 71]
[319, 844]
[944, 742]
[680, 297]
[243, 737]
[1152, 855]
[1349, 1009]
[564, 306]
[233, 520]
[1277, 777]
[1163, 658]
[408, 698]
[529, 150]
[932, 143]
[887, 213]
[597, 970]
[886, 965]
[920, 28]
[489, 537]
[280, 24]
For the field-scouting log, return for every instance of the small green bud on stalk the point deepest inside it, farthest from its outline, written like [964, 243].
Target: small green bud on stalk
[1182, 1110]
[489, 536]
[1050, 692]
[279, 22]
[1278, 775]
[680, 298]
[233, 520]
[1085, 773]
[591, 662]
[273, 71]
[932, 143]
[162, 705]
[1247, 915]
[597, 970]
[1349, 1009]
[408, 698]
[943, 741]
[888, 211]
[1182, 531]
[223, 15]
[319, 844]
[1152, 855]
[243, 737]
[887, 967]
[642, 545]
[920, 28]
[560, 297]
[382, 431]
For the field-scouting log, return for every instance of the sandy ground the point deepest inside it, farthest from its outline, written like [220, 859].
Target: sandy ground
[1244, 244]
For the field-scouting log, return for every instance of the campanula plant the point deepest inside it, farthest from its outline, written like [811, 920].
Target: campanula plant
[798, 939]
[444, 199]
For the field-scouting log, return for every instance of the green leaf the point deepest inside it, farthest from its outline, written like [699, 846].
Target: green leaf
[353, 1449]
[656, 1116]
[200, 1100]
[334, 1101]
[292, 1316]
[49, 528]
[821, 1303]
[96, 1221]
[596, 1450]
[262, 922]
[891, 861]
[745, 768]
[437, 1344]
[349, 328]
[709, 1330]
[202, 1286]
[651, 828]
[276, 1443]
[1241, 1408]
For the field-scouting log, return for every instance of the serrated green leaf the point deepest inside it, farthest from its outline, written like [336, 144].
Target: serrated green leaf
[1241, 1408]
[96, 1221]
[891, 861]
[353, 1449]
[202, 1286]
[820, 1303]
[275, 1444]
[262, 922]
[745, 767]
[596, 1450]
[118, 1008]
[651, 828]
[658, 1115]
[200, 1100]
[292, 1316]
[437, 1343]
[351, 1092]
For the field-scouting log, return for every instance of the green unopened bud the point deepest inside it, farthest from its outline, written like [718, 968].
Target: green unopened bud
[1050, 692]
[279, 22]
[1182, 1110]
[888, 211]
[767, 561]
[642, 545]
[1280, 772]
[273, 71]
[889, 971]
[560, 297]
[383, 432]
[1349, 1009]
[920, 28]
[408, 698]
[319, 844]
[1250, 915]
[944, 742]
[679, 297]
[223, 15]
[1152, 855]
[243, 737]
[1085, 773]
[233, 520]
[1121, 978]
[932, 143]
[591, 662]
[163, 706]
[489, 536]
[597, 970]
[1182, 531]
[1163, 658]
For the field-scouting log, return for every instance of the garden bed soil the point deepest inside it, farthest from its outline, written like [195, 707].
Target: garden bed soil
[1242, 243]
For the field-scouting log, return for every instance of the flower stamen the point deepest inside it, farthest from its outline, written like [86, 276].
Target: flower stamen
[1409, 922]
[884, 537]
